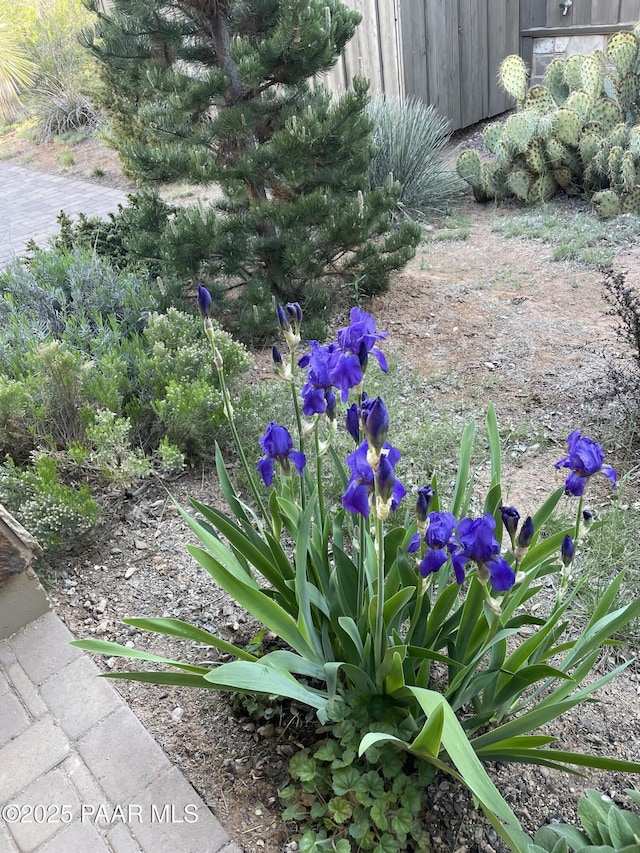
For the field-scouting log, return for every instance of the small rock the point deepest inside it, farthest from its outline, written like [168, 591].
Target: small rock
[177, 714]
[101, 606]
[268, 730]
[130, 571]
[140, 544]
[110, 662]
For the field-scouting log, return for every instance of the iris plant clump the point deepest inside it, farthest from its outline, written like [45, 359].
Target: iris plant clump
[369, 595]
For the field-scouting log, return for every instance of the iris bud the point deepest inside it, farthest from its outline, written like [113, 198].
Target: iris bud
[524, 538]
[204, 301]
[386, 480]
[330, 398]
[283, 369]
[424, 501]
[374, 420]
[353, 423]
[567, 551]
[510, 519]
[290, 320]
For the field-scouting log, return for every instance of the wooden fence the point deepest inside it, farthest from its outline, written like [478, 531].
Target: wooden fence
[442, 52]
[447, 52]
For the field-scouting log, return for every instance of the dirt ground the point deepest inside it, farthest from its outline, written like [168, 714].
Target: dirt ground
[484, 319]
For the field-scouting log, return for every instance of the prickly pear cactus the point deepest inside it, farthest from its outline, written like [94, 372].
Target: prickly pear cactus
[622, 51]
[555, 83]
[580, 132]
[513, 77]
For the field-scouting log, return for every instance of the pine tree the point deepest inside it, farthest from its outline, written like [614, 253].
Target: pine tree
[226, 91]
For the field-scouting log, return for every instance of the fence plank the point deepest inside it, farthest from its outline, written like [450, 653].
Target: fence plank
[603, 12]
[361, 56]
[533, 13]
[475, 74]
[414, 48]
[629, 10]
[503, 38]
[443, 66]
[390, 47]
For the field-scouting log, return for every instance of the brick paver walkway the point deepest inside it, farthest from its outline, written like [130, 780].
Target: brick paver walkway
[79, 773]
[30, 202]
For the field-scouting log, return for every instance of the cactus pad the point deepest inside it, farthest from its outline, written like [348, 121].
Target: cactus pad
[491, 135]
[554, 81]
[536, 156]
[556, 152]
[622, 51]
[627, 171]
[589, 146]
[519, 182]
[564, 178]
[573, 72]
[631, 202]
[543, 189]
[627, 91]
[581, 102]
[540, 100]
[567, 125]
[607, 204]
[520, 128]
[494, 180]
[513, 77]
[592, 74]
[634, 142]
[469, 168]
[607, 112]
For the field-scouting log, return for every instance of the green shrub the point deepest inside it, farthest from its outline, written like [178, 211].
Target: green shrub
[78, 337]
[17, 407]
[111, 451]
[410, 142]
[50, 510]
[61, 108]
[129, 239]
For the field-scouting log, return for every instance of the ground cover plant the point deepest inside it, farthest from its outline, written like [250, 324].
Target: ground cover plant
[403, 633]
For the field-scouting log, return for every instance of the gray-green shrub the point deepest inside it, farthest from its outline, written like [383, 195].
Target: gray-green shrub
[410, 143]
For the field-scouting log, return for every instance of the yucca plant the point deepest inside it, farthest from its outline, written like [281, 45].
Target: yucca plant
[410, 143]
[16, 71]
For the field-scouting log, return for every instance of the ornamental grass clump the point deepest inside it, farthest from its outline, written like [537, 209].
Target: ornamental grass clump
[413, 613]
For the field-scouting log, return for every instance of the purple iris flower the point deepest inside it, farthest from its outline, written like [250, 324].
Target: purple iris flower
[277, 445]
[585, 459]
[355, 342]
[318, 385]
[361, 481]
[479, 545]
[204, 301]
[440, 543]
